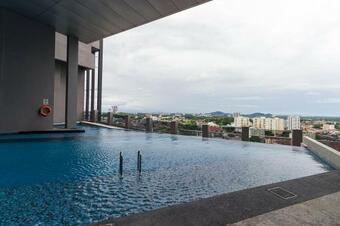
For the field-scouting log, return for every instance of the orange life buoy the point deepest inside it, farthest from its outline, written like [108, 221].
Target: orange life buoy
[45, 110]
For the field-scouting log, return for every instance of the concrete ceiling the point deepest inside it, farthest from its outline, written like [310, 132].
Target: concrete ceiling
[91, 20]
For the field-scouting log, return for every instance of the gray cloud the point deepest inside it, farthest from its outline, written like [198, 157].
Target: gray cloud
[273, 56]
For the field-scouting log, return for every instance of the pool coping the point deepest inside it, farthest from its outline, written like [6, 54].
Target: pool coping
[57, 130]
[235, 206]
[97, 124]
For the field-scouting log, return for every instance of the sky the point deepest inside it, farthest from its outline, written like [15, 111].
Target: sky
[280, 57]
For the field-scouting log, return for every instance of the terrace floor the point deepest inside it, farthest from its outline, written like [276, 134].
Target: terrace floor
[319, 211]
[315, 201]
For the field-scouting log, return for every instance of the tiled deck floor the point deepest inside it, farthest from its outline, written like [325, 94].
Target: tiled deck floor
[318, 212]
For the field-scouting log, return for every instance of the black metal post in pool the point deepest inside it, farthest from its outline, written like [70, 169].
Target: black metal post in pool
[120, 164]
[139, 162]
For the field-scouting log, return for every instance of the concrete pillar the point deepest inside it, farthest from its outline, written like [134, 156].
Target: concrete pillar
[174, 127]
[205, 130]
[149, 125]
[93, 81]
[87, 96]
[71, 83]
[109, 118]
[297, 137]
[245, 134]
[94, 116]
[100, 79]
[127, 122]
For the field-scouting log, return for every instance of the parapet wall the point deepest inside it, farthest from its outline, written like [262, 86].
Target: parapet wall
[326, 153]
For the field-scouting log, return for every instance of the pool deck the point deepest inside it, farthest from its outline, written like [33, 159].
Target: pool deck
[317, 202]
[319, 211]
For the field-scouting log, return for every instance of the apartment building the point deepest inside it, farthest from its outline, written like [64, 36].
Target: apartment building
[242, 121]
[276, 123]
[293, 122]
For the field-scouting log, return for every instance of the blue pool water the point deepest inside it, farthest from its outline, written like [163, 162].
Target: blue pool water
[72, 179]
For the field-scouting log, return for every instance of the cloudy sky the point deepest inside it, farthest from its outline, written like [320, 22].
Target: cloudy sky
[246, 56]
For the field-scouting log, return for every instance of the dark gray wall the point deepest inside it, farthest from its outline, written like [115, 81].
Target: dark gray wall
[26, 72]
[85, 55]
[60, 92]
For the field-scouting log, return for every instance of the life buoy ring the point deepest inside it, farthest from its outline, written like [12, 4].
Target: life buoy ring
[45, 110]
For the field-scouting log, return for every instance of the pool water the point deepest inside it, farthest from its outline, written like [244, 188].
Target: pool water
[72, 179]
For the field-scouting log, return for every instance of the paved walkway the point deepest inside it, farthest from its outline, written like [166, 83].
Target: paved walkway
[241, 205]
[318, 212]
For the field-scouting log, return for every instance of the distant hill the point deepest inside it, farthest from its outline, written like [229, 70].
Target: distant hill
[219, 114]
[259, 114]
[253, 115]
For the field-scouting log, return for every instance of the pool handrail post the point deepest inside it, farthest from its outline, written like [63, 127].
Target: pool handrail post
[139, 162]
[120, 164]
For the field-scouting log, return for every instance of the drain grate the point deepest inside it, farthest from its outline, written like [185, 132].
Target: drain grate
[282, 193]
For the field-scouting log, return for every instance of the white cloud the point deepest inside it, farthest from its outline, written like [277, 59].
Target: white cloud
[239, 55]
[333, 100]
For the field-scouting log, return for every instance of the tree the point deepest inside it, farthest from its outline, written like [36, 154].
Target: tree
[229, 129]
[317, 126]
[318, 137]
[222, 121]
[285, 133]
[190, 125]
[255, 139]
[269, 133]
[337, 125]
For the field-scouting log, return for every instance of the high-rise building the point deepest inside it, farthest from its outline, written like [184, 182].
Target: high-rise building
[242, 122]
[268, 124]
[277, 124]
[236, 114]
[293, 122]
[328, 127]
[114, 109]
[259, 123]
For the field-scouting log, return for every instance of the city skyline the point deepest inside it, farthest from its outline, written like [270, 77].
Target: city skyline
[109, 109]
[265, 54]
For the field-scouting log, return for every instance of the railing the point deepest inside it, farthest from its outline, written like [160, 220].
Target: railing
[161, 126]
[277, 140]
[187, 132]
[174, 127]
[122, 121]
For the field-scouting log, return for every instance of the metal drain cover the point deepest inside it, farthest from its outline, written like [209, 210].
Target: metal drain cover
[282, 193]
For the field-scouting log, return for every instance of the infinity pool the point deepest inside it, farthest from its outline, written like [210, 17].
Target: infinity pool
[72, 179]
